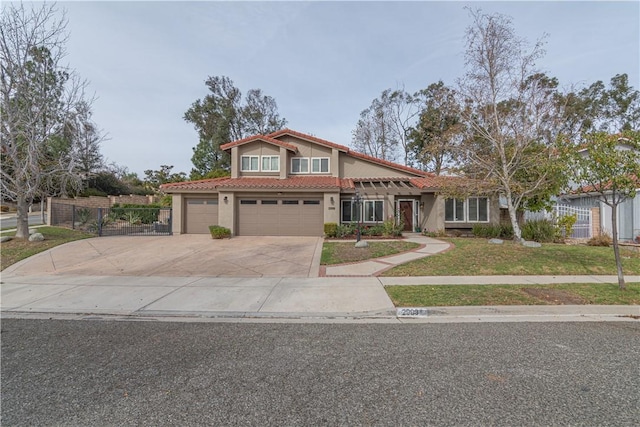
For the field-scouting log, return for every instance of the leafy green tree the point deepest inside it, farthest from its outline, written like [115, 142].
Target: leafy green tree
[155, 178]
[38, 95]
[510, 115]
[439, 127]
[612, 109]
[222, 116]
[609, 167]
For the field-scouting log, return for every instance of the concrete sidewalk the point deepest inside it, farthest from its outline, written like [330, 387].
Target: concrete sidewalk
[322, 299]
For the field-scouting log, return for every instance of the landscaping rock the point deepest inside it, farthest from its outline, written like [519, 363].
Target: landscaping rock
[496, 241]
[5, 239]
[531, 244]
[362, 244]
[36, 237]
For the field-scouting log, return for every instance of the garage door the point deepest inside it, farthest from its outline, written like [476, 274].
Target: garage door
[200, 214]
[280, 217]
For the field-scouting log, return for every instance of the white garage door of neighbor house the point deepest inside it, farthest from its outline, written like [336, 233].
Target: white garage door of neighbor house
[280, 217]
[200, 214]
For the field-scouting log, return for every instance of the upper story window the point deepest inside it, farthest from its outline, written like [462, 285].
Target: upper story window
[299, 165]
[258, 163]
[320, 165]
[473, 209]
[271, 163]
[250, 164]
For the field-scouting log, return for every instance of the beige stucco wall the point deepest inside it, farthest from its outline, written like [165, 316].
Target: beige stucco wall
[332, 208]
[432, 213]
[257, 148]
[226, 211]
[177, 213]
[357, 168]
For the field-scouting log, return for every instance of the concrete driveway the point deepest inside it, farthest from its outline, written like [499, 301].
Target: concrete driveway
[179, 255]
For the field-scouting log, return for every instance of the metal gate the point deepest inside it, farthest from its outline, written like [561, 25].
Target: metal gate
[114, 221]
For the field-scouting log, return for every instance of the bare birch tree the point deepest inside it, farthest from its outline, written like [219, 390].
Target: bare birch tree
[510, 114]
[38, 95]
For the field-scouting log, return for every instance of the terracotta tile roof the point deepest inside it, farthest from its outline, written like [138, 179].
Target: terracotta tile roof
[203, 184]
[259, 138]
[349, 151]
[301, 182]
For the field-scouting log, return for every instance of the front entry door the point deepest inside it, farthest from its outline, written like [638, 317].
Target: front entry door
[406, 214]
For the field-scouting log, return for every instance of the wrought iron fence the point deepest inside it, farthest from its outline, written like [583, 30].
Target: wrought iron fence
[113, 221]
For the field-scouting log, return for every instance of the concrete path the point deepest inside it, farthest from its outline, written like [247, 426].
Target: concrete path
[428, 246]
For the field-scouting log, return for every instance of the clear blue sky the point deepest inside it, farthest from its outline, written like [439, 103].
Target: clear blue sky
[323, 62]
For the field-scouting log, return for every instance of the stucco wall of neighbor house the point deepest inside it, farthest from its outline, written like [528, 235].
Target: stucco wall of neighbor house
[226, 211]
[332, 207]
[177, 211]
[351, 167]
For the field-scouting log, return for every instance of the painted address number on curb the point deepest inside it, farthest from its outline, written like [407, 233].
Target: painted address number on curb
[411, 312]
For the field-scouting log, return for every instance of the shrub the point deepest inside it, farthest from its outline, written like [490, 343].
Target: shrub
[148, 214]
[166, 200]
[391, 229]
[83, 215]
[601, 240]
[218, 232]
[373, 230]
[542, 231]
[330, 229]
[345, 230]
[565, 225]
[4, 208]
[486, 230]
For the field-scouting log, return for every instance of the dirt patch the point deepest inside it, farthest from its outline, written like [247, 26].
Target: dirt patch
[555, 296]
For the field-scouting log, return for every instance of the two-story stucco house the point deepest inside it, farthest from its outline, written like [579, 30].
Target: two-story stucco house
[289, 183]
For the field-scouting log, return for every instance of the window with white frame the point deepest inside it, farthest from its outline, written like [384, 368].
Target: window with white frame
[249, 164]
[473, 209]
[320, 165]
[373, 211]
[299, 165]
[271, 163]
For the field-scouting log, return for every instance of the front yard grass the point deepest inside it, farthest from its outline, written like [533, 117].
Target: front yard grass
[476, 295]
[476, 257]
[343, 252]
[18, 249]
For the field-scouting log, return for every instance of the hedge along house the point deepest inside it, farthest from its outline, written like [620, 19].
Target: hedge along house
[290, 184]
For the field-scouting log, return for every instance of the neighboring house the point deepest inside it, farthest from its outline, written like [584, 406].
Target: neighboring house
[628, 211]
[290, 183]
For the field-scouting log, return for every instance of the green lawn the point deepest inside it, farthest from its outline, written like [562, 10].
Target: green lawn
[342, 252]
[466, 295]
[476, 257]
[19, 249]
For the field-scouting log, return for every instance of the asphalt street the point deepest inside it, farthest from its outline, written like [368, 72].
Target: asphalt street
[102, 373]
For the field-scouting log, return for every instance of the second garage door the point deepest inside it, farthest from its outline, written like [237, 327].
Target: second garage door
[280, 217]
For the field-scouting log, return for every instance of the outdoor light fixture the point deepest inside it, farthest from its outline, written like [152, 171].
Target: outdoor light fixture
[226, 199]
[331, 199]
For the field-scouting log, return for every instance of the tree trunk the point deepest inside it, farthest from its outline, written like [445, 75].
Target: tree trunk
[616, 248]
[513, 216]
[22, 225]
